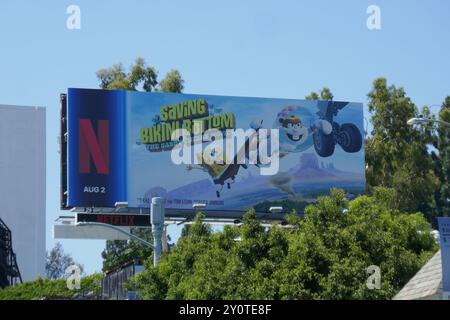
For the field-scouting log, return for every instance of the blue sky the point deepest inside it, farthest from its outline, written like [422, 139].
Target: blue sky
[280, 49]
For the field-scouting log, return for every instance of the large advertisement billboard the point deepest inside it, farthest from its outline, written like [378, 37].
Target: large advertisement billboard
[128, 146]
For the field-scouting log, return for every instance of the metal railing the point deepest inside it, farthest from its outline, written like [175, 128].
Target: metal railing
[9, 270]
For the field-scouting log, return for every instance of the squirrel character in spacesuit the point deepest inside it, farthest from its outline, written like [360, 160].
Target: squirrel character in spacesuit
[297, 133]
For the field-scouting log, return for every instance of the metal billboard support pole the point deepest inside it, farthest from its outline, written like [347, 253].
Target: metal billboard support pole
[165, 245]
[157, 215]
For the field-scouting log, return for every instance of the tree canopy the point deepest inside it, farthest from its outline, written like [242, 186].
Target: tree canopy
[139, 77]
[52, 289]
[323, 256]
[57, 262]
[441, 161]
[396, 154]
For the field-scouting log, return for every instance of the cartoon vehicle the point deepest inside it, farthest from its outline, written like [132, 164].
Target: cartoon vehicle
[347, 135]
[223, 173]
[220, 173]
[300, 130]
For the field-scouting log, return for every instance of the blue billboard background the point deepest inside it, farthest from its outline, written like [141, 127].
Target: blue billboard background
[94, 189]
[321, 145]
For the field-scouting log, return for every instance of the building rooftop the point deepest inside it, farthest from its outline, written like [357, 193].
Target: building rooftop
[426, 284]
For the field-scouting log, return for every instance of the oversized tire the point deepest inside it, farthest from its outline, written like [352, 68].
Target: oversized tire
[350, 138]
[323, 143]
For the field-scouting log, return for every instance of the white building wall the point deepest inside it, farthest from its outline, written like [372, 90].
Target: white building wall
[22, 184]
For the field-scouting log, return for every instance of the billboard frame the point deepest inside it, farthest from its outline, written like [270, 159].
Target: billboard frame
[172, 214]
[182, 215]
[63, 151]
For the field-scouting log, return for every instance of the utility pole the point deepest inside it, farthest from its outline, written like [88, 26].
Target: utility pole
[157, 216]
[165, 245]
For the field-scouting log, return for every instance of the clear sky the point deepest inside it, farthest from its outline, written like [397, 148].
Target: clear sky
[281, 49]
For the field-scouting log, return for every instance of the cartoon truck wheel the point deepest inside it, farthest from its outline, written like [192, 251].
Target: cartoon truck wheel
[346, 135]
[323, 143]
[349, 138]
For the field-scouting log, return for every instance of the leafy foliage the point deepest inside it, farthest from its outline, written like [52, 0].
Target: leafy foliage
[120, 252]
[396, 154]
[173, 82]
[441, 161]
[324, 256]
[51, 288]
[140, 76]
[287, 205]
[324, 94]
[57, 262]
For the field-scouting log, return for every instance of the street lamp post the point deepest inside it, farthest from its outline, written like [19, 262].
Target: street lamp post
[110, 226]
[157, 216]
[421, 120]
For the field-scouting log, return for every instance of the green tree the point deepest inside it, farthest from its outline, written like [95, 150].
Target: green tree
[324, 256]
[397, 154]
[173, 82]
[52, 288]
[324, 94]
[120, 252]
[57, 262]
[441, 160]
[139, 77]
[337, 240]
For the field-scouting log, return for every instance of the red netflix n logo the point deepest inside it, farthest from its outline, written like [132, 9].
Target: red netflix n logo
[93, 146]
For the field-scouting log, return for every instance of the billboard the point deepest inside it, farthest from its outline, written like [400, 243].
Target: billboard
[128, 146]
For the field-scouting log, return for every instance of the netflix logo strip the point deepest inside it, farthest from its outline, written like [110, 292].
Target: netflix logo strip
[124, 220]
[92, 147]
[96, 150]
